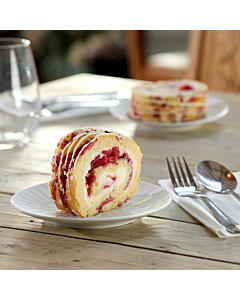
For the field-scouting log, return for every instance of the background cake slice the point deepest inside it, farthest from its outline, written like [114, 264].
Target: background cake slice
[169, 101]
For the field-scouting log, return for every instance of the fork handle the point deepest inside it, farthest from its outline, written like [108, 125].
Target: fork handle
[222, 218]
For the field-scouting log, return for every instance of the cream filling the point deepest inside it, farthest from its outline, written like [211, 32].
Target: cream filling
[107, 185]
[176, 100]
[185, 102]
[106, 179]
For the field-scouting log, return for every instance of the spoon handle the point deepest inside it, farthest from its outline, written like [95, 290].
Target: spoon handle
[230, 225]
[235, 194]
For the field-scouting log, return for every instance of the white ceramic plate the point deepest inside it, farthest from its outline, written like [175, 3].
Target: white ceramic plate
[216, 109]
[35, 201]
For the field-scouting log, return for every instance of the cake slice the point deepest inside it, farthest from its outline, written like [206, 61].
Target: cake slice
[169, 101]
[94, 170]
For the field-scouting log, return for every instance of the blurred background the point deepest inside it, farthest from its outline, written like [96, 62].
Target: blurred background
[211, 56]
[60, 53]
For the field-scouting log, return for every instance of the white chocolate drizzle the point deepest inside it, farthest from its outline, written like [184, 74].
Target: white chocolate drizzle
[140, 202]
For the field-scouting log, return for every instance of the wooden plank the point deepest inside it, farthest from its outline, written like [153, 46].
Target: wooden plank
[33, 158]
[193, 144]
[28, 251]
[13, 181]
[232, 99]
[158, 234]
[86, 83]
[194, 147]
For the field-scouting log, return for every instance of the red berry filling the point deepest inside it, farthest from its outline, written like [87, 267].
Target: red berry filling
[54, 187]
[155, 97]
[103, 203]
[103, 159]
[192, 99]
[156, 113]
[129, 179]
[87, 147]
[183, 118]
[135, 112]
[90, 178]
[55, 162]
[121, 203]
[114, 179]
[106, 157]
[185, 87]
[200, 112]
[62, 196]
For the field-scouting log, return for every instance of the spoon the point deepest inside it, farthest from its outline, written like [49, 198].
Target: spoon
[216, 177]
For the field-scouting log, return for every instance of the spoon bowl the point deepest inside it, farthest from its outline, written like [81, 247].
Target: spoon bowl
[216, 177]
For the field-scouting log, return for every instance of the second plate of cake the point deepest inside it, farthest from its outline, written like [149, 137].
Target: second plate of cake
[216, 109]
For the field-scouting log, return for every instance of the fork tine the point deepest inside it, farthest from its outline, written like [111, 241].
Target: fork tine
[189, 174]
[183, 175]
[170, 172]
[177, 173]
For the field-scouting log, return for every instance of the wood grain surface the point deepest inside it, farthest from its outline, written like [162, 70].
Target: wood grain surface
[170, 239]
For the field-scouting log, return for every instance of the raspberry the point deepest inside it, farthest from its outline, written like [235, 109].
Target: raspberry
[186, 87]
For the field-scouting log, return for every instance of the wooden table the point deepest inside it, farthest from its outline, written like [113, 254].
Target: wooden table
[170, 239]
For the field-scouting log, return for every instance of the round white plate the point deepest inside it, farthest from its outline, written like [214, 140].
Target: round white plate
[35, 201]
[216, 109]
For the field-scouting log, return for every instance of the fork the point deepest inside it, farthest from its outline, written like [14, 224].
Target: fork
[186, 187]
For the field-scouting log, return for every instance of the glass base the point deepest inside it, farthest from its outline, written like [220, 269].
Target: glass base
[11, 140]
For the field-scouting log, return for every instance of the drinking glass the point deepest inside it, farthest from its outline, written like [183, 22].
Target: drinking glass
[19, 93]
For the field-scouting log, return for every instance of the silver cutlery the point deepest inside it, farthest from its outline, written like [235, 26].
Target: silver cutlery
[185, 186]
[87, 99]
[62, 103]
[216, 177]
[49, 110]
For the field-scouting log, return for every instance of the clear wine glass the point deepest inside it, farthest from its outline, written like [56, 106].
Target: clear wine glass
[20, 105]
